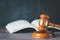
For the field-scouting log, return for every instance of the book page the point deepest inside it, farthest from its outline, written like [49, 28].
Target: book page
[19, 25]
[36, 21]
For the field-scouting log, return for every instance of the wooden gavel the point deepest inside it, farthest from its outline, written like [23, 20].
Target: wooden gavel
[44, 22]
[42, 27]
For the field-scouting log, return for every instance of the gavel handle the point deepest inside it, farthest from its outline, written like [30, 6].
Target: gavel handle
[54, 25]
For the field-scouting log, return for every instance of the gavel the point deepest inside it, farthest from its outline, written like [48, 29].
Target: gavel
[42, 27]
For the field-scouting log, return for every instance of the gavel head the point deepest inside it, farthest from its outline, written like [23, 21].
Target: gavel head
[44, 16]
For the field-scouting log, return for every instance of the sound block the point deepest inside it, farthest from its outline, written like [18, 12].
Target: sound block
[43, 34]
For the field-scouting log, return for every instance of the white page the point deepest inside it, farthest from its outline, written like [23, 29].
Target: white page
[18, 25]
[36, 21]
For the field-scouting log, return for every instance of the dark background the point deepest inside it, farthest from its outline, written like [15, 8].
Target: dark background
[11, 10]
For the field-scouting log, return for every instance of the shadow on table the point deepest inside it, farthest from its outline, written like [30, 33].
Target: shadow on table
[30, 30]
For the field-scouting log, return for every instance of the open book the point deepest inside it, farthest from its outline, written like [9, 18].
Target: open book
[22, 24]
